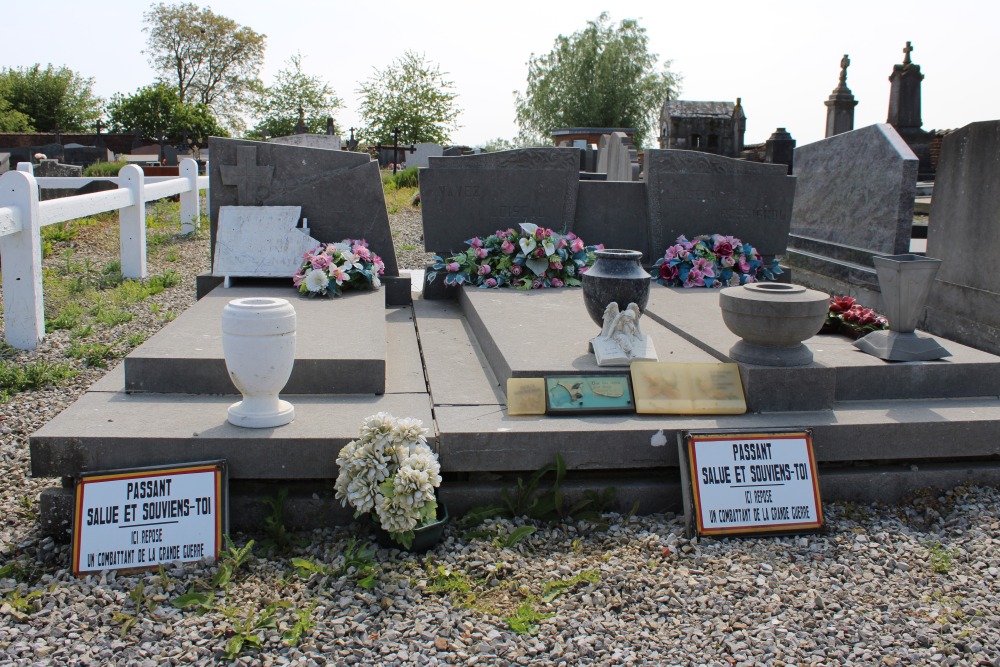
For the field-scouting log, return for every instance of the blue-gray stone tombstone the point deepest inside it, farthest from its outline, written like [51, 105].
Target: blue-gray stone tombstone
[691, 193]
[340, 192]
[477, 195]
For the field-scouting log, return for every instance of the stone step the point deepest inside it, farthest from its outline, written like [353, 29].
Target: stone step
[340, 346]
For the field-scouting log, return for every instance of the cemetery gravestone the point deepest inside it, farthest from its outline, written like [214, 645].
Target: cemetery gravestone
[621, 155]
[695, 193]
[853, 199]
[476, 195]
[964, 303]
[602, 153]
[4, 162]
[419, 157]
[340, 192]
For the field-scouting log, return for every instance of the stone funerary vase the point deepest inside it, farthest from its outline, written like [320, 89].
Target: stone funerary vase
[258, 343]
[616, 275]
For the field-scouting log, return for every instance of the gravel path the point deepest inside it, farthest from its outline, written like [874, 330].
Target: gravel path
[909, 585]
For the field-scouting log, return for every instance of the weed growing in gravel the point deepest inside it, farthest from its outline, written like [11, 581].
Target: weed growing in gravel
[136, 339]
[359, 563]
[36, 375]
[409, 247]
[169, 316]
[940, 557]
[143, 604]
[69, 267]
[110, 316]
[277, 538]
[304, 624]
[529, 499]
[247, 630]
[92, 354]
[158, 239]
[525, 620]
[553, 589]
[60, 232]
[27, 507]
[67, 318]
[81, 331]
[19, 603]
[172, 255]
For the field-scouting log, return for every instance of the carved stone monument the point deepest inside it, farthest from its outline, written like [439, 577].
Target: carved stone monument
[621, 341]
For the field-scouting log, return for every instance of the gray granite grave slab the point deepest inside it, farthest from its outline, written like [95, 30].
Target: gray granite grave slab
[448, 344]
[260, 241]
[964, 302]
[340, 192]
[186, 355]
[104, 431]
[476, 195]
[856, 189]
[693, 193]
[518, 341]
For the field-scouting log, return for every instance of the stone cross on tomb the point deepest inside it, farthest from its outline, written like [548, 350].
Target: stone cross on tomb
[250, 180]
[844, 64]
[906, 54]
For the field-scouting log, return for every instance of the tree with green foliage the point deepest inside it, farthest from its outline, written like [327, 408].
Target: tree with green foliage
[209, 59]
[276, 108]
[12, 120]
[411, 95]
[157, 108]
[602, 76]
[51, 98]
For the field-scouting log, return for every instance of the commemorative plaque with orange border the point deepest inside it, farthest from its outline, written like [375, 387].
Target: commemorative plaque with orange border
[139, 518]
[749, 483]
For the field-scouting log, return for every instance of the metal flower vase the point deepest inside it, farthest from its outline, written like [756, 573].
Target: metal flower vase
[617, 275]
[905, 282]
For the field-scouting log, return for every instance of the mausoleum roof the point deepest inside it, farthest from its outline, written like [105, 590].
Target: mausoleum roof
[693, 109]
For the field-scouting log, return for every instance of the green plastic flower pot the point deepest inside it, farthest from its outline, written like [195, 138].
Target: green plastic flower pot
[424, 537]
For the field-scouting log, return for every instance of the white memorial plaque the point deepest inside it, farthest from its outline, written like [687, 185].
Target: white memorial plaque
[134, 519]
[750, 482]
[260, 242]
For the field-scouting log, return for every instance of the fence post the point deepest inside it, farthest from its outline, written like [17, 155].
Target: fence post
[132, 224]
[190, 200]
[21, 260]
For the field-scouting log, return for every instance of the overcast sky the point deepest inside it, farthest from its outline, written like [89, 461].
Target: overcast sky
[782, 58]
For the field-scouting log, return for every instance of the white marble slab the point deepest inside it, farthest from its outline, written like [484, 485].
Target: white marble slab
[260, 242]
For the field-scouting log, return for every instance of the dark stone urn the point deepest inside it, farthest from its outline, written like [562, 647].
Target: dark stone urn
[617, 275]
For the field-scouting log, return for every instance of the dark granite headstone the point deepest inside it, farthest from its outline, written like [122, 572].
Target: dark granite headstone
[476, 195]
[964, 303]
[614, 213]
[693, 193]
[170, 156]
[340, 192]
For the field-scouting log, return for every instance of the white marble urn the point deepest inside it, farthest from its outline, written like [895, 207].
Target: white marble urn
[258, 343]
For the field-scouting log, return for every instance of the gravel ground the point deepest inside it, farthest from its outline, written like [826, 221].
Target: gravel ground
[909, 585]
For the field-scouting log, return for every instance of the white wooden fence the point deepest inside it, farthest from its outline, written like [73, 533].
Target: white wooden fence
[22, 216]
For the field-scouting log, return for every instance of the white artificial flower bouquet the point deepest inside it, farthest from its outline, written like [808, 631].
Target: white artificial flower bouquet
[391, 472]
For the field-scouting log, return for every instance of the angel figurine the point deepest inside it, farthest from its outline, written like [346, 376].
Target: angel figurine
[621, 341]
